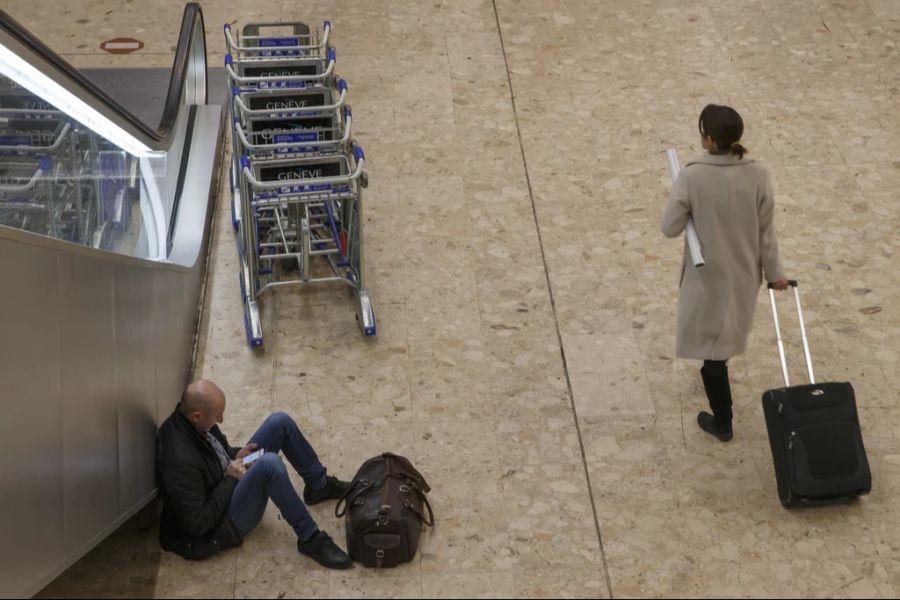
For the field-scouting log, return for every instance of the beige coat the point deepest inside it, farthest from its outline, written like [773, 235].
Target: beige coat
[730, 200]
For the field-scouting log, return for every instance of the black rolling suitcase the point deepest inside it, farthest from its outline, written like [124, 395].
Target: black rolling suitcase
[814, 432]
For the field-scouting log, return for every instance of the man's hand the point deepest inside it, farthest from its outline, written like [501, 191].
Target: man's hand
[245, 451]
[781, 285]
[236, 468]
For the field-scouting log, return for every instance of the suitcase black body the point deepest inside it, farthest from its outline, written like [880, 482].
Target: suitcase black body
[816, 442]
[814, 434]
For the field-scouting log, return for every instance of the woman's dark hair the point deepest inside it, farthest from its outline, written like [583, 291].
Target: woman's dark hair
[725, 126]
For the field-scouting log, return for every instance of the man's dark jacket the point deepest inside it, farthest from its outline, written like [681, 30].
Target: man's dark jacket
[195, 491]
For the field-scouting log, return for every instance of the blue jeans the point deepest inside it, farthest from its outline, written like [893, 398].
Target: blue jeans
[268, 478]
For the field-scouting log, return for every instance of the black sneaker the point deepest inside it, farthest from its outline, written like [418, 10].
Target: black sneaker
[322, 549]
[708, 424]
[334, 489]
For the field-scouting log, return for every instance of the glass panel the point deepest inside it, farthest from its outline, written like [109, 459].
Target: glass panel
[62, 180]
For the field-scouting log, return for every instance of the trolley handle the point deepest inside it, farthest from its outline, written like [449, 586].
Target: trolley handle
[32, 112]
[284, 145]
[330, 55]
[299, 109]
[274, 185]
[237, 46]
[784, 369]
[690, 233]
[328, 72]
[44, 166]
[55, 146]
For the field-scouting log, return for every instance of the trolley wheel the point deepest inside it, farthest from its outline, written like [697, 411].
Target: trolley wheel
[365, 314]
[235, 199]
[252, 341]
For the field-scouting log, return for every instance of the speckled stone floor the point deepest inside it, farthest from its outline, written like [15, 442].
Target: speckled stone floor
[525, 296]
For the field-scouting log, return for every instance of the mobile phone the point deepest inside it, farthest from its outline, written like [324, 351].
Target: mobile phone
[253, 457]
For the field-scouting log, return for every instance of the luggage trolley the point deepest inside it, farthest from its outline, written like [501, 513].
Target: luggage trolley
[297, 177]
[280, 137]
[297, 209]
[83, 182]
[39, 155]
[286, 116]
[314, 111]
[255, 72]
[272, 40]
[314, 74]
[26, 195]
[263, 138]
[287, 55]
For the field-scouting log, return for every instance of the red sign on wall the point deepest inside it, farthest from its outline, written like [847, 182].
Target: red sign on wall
[121, 45]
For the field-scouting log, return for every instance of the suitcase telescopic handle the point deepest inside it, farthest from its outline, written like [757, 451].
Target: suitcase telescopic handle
[796, 287]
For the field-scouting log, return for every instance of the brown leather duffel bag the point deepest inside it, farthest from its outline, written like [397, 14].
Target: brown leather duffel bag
[384, 511]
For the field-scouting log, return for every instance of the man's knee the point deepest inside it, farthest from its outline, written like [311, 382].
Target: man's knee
[282, 419]
[271, 463]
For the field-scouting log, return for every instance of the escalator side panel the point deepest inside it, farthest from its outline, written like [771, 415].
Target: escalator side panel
[31, 430]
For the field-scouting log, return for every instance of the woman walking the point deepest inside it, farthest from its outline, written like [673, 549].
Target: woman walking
[730, 200]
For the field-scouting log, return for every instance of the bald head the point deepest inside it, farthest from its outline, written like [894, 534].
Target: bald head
[203, 403]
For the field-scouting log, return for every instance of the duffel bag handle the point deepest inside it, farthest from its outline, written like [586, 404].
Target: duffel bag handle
[407, 468]
[419, 481]
[406, 503]
[430, 521]
[346, 500]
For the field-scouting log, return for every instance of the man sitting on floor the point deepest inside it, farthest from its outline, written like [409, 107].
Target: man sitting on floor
[211, 500]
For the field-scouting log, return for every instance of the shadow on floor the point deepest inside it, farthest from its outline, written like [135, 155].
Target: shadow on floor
[124, 565]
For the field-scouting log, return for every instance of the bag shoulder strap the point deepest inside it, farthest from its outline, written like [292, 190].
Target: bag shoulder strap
[350, 495]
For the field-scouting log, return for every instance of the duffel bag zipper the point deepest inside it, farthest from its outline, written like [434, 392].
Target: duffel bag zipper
[791, 440]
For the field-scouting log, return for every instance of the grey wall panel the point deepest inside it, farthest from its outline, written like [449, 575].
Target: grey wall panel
[31, 427]
[95, 350]
[172, 374]
[90, 431]
[135, 385]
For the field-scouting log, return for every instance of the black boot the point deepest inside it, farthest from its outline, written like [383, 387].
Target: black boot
[708, 424]
[718, 392]
[334, 488]
[322, 549]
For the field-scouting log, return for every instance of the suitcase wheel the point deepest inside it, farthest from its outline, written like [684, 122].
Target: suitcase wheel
[788, 499]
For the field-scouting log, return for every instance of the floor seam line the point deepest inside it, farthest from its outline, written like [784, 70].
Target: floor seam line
[562, 351]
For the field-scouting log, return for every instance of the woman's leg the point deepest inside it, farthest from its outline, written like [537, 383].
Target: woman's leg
[718, 391]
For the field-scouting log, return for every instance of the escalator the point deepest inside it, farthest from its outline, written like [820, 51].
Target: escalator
[104, 229]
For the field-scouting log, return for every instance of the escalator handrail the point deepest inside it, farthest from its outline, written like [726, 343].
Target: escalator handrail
[153, 137]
